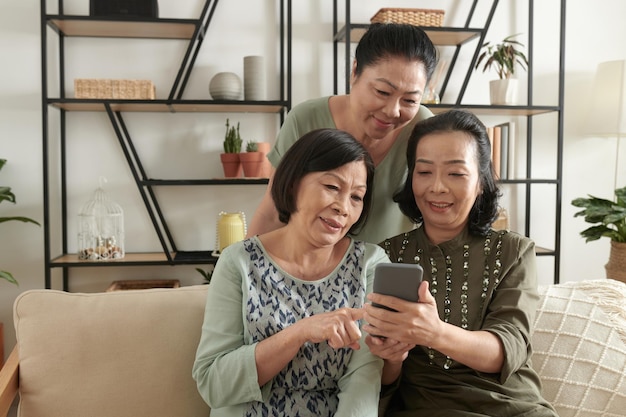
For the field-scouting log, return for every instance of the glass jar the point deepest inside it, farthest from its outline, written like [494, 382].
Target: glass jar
[231, 228]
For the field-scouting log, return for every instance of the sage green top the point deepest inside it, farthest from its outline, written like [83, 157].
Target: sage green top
[504, 304]
[251, 298]
[385, 218]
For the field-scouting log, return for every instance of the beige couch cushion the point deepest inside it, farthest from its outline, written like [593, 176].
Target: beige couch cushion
[124, 353]
[580, 347]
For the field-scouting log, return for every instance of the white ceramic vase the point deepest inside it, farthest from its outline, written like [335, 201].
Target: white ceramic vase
[225, 86]
[503, 92]
[254, 78]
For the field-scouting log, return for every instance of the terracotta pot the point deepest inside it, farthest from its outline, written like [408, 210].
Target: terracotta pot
[231, 165]
[266, 166]
[252, 163]
[616, 267]
[503, 92]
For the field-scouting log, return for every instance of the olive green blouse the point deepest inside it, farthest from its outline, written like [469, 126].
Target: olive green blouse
[489, 283]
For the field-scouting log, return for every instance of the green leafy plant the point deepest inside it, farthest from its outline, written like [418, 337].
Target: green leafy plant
[503, 56]
[252, 146]
[205, 274]
[609, 217]
[7, 195]
[232, 139]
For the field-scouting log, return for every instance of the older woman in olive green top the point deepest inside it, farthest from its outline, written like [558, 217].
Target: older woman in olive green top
[464, 348]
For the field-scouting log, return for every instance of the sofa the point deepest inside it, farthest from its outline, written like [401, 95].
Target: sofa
[130, 353]
[579, 344]
[121, 353]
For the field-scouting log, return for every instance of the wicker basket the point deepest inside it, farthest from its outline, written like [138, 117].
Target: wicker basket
[143, 284]
[114, 89]
[416, 17]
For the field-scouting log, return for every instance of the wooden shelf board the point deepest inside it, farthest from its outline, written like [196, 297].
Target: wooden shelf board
[454, 37]
[233, 106]
[129, 258]
[439, 36]
[114, 28]
[210, 181]
[135, 258]
[166, 106]
[488, 110]
[552, 181]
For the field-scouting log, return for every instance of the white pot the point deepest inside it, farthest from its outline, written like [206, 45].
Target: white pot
[503, 92]
[225, 86]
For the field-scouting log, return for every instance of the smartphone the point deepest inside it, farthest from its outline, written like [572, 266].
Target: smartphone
[398, 280]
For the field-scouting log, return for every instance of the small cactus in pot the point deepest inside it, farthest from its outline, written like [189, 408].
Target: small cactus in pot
[232, 148]
[252, 146]
[232, 139]
[252, 160]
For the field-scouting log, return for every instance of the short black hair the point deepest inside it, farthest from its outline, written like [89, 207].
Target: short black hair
[485, 209]
[383, 40]
[317, 151]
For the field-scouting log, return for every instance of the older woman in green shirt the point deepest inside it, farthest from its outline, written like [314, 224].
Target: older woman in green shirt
[393, 64]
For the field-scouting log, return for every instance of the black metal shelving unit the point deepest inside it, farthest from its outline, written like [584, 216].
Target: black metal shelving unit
[458, 37]
[191, 30]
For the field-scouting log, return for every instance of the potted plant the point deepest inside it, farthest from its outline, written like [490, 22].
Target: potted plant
[252, 146]
[252, 160]
[609, 220]
[504, 57]
[206, 275]
[7, 195]
[232, 148]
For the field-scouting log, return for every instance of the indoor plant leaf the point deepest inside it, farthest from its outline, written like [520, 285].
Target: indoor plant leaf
[7, 275]
[503, 56]
[19, 218]
[608, 217]
[7, 195]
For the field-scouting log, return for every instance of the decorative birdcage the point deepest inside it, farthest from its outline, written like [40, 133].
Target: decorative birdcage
[100, 228]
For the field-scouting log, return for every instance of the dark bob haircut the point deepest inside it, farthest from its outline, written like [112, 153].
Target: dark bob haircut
[384, 40]
[317, 151]
[485, 209]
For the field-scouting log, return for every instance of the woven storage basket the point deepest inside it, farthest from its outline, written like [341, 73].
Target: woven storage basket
[114, 89]
[416, 17]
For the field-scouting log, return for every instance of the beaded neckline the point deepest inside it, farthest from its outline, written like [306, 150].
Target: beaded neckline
[489, 276]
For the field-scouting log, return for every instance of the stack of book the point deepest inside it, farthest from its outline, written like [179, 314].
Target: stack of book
[503, 146]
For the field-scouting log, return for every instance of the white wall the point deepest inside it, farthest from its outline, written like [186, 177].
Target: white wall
[187, 145]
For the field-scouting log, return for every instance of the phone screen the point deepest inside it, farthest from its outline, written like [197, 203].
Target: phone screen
[399, 280]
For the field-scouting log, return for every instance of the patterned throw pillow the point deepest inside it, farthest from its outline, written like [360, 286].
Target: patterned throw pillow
[579, 347]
